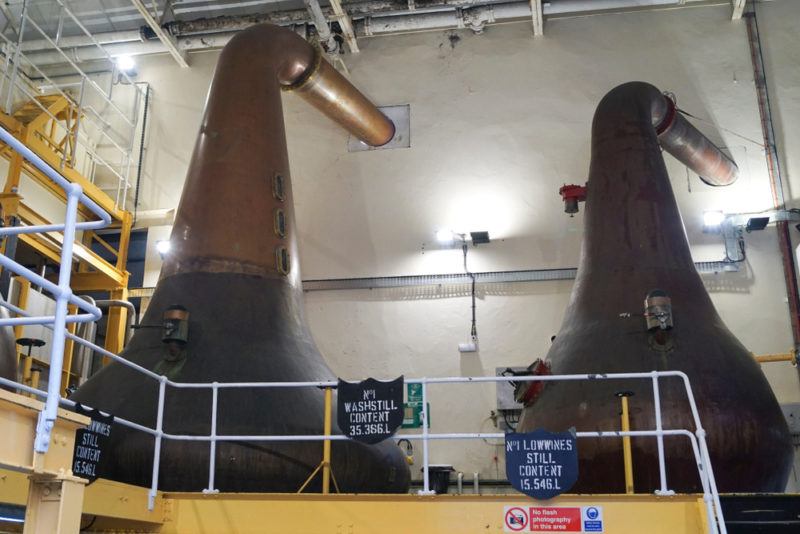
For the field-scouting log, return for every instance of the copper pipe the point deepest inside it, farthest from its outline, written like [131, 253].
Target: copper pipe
[241, 152]
[330, 92]
[685, 142]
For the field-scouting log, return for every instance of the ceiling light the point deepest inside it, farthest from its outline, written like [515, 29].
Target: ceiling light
[163, 247]
[712, 220]
[125, 64]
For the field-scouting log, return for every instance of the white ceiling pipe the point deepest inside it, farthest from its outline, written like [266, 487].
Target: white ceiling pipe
[321, 23]
[473, 17]
[80, 55]
[82, 40]
[217, 25]
[576, 6]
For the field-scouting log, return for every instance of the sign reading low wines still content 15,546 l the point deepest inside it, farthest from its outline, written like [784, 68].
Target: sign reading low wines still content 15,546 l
[87, 457]
[541, 464]
[371, 410]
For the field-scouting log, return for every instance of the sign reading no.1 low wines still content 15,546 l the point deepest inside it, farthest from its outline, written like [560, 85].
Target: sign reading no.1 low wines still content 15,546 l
[371, 410]
[541, 464]
[87, 457]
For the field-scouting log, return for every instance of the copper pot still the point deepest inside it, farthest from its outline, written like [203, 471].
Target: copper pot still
[229, 307]
[636, 259]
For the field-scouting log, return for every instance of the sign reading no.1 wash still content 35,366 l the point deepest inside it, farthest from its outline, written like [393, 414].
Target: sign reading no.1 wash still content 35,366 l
[541, 464]
[370, 410]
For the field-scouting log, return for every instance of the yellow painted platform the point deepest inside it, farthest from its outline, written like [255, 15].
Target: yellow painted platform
[114, 507]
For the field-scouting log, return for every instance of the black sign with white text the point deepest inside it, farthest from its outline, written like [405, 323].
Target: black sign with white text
[371, 410]
[90, 442]
[541, 464]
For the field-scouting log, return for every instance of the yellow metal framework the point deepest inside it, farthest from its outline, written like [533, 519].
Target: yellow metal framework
[48, 126]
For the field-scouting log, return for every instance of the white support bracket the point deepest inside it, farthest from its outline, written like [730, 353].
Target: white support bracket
[537, 18]
[738, 9]
[167, 40]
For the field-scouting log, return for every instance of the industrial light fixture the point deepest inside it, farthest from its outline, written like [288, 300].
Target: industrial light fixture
[125, 64]
[756, 223]
[480, 238]
[163, 247]
[712, 221]
[445, 236]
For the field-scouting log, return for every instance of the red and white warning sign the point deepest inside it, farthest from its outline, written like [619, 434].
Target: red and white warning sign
[516, 519]
[553, 519]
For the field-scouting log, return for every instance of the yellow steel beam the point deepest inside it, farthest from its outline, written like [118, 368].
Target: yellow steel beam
[396, 514]
[82, 282]
[115, 326]
[92, 191]
[49, 245]
[124, 505]
[18, 415]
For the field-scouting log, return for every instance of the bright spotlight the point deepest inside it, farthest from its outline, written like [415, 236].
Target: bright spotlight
[163, 246]
[445, 236]
[126, 64]
[712, 220]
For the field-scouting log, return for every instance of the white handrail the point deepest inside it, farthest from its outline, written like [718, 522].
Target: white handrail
[62, 291]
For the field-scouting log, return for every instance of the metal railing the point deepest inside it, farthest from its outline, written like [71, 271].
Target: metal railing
[61, 291]
[57, 323]
[87, 115]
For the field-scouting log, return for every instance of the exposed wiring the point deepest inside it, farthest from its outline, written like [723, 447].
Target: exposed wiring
[701, 119]
[91, 523]
[141, 152]
[474, 328]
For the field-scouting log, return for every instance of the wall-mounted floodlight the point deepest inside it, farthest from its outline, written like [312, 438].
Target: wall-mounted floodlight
[712, 221]
[480, 238]
[163, 247]
[125, 64]
[445, 236]
[756, 223]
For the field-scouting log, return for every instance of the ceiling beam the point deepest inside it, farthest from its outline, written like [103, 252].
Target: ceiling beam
[537, 17]
[347, 26]
[167, 40]
[738, 8]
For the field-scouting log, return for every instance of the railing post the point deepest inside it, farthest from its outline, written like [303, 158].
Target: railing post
[426, 487]
[17, 51]
[662, 467]
[326, 444]
[212, 459]
[151, 496]
[47, 417]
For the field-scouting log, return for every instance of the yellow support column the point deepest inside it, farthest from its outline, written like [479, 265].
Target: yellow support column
[69, 350]
[54, 505]
[115, 327]
[627, 456]
[326, 445]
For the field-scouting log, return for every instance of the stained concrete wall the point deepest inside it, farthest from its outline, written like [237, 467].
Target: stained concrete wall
[499, 122]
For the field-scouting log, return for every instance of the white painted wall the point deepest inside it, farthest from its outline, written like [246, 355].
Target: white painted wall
[499, 122]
